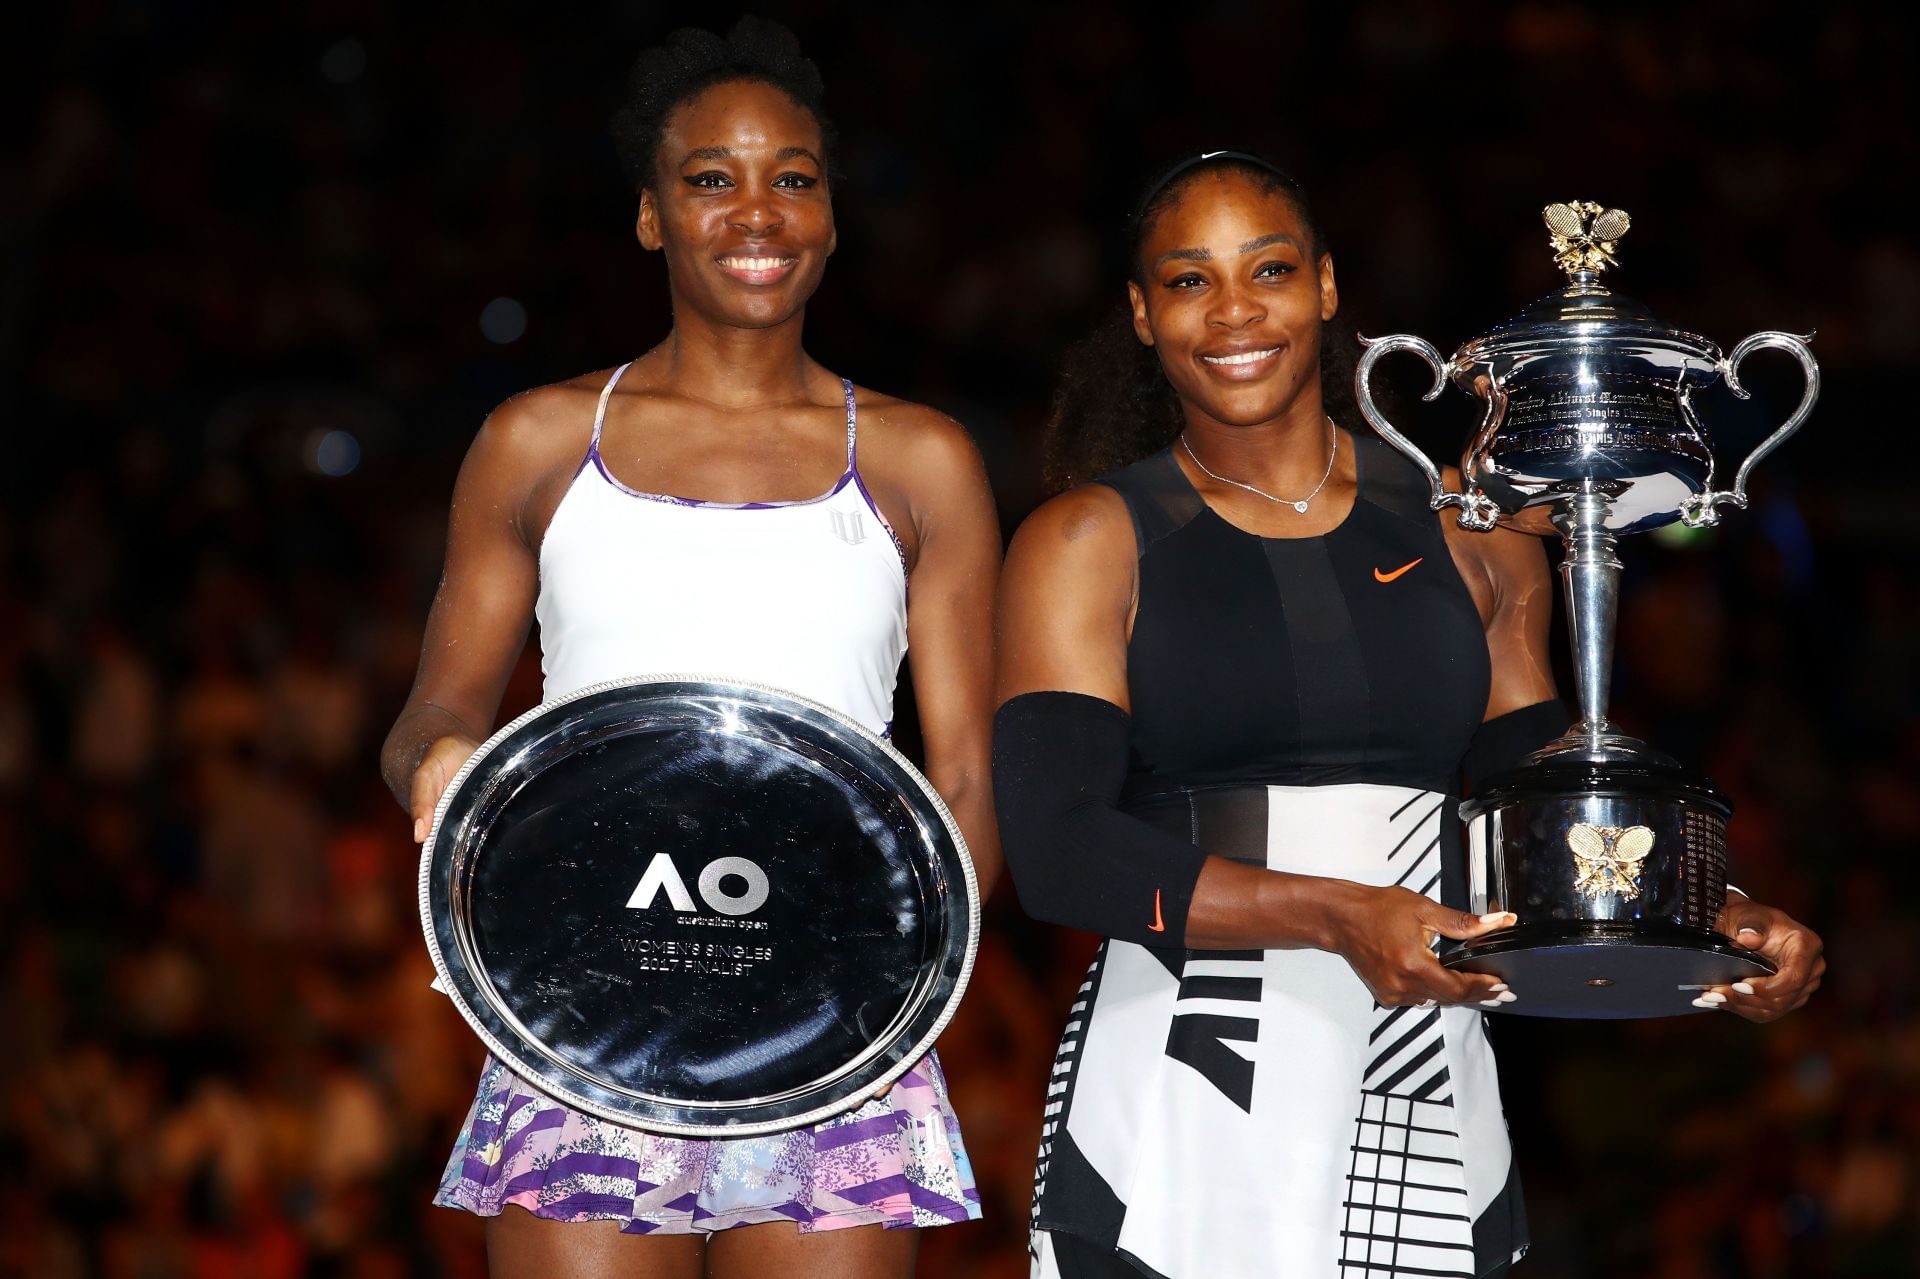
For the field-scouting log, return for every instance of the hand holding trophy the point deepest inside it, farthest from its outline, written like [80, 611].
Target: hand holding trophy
[1612, 856]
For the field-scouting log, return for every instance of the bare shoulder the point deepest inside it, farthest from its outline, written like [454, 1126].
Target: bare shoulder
[1084, 528]
[530, 426]
[524, 456]
[1067, 597]
[914, 439]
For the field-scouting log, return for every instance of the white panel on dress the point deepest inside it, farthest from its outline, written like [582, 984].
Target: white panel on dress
[1373, 1137]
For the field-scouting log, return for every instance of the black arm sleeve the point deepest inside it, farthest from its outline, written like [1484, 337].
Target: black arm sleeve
[1059, 763]
[1505, 741]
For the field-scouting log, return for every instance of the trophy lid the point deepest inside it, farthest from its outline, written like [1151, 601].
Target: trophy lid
[1585, 317]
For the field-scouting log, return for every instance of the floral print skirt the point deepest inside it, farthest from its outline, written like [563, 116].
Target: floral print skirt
[896, 1161]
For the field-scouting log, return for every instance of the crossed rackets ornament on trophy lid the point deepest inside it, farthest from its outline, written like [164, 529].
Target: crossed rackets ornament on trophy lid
[1612, 856]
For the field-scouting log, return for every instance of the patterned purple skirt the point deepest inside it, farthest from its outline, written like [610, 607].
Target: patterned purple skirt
[896, 1161]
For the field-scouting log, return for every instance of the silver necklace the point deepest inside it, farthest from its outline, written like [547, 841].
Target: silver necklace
[1301, 506]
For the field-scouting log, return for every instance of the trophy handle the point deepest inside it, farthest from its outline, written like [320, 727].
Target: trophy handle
[1700, 510]
[1477, 511]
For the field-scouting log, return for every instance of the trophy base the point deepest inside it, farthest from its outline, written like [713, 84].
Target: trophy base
[1602, 971]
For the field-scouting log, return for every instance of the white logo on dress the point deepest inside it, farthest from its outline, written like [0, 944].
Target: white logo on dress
[848, 527]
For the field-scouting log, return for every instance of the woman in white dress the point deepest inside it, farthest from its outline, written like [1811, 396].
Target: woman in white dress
[721, 505]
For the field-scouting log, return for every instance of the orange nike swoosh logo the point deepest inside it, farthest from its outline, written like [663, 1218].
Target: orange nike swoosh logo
[1158, 925]
[1378, 576]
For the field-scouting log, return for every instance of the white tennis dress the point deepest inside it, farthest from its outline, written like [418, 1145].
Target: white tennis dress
[807, 596]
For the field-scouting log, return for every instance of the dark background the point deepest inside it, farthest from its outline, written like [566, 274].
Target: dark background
[250, 317]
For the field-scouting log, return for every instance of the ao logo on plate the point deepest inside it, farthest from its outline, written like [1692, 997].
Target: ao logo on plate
[661, 875]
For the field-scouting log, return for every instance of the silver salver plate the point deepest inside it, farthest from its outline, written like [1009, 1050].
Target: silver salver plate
[698, 907]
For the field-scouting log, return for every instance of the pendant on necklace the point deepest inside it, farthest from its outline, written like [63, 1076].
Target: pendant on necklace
[1300, 507]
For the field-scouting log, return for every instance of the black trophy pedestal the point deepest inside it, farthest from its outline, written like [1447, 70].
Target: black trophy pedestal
[1617, 873]
[1602, 971]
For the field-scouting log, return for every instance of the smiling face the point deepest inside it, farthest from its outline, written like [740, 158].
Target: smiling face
[739, 205]
[1232, 300]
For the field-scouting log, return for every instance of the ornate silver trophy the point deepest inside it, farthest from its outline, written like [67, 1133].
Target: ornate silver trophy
[1612, 855]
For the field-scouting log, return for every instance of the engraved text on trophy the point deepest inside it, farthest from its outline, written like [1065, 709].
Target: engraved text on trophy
[1571, 418]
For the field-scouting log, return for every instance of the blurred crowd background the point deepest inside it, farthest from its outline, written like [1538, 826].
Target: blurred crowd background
[266, 267]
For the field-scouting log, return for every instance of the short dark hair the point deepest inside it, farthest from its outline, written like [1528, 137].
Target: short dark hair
[692, 60]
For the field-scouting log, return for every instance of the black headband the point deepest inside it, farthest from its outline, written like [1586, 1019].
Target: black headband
[1198, 158]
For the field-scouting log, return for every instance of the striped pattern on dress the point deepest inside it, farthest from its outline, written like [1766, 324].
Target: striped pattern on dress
[1406, 1202]
[1060, 1084]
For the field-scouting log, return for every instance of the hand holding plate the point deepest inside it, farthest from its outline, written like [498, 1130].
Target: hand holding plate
[432, 776]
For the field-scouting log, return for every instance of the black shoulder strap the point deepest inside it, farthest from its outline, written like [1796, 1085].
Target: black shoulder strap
[1158, 497]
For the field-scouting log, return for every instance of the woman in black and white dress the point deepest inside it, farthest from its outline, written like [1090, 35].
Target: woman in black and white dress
[1240, 677]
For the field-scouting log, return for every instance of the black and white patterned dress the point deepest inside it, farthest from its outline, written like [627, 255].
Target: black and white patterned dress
[1301, 704]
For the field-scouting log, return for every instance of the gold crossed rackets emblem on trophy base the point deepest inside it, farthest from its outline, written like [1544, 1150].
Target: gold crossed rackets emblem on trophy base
[1607, 859]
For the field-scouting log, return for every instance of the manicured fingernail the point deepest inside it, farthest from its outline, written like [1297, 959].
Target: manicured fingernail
[1745, 931]
[1497, 987]
[1489, 1003]
[1507, 996]
[1707, 1002]
[1497, 916]
[1745, 988]
[419, 830]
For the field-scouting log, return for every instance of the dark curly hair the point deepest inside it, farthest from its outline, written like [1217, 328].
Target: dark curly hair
[692, 60]
[1113, 405]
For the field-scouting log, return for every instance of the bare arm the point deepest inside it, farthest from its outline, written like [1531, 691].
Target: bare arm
[481, 611]
[1507, 574]
[950, 626]
[1067, 597]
